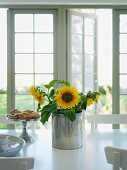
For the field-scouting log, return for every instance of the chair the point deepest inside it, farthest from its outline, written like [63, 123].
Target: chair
[117, 157]
[16, 163]
[106, 119]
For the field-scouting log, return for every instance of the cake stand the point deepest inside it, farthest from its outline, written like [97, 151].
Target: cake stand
[24, 134]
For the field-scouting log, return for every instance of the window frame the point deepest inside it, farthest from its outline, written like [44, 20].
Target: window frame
[116, 62]
[60, 70]
[83, 15]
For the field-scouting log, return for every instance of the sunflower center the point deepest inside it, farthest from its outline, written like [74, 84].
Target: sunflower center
[67, 97]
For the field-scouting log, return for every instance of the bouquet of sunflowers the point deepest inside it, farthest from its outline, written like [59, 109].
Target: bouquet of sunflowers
[64, 100]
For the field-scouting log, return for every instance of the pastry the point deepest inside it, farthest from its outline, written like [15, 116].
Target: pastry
[14, 111]
[25, 116]
[28, 111]
[13, 116]
[35, 115]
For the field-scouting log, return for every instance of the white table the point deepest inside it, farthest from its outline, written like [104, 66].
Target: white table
[90, 157]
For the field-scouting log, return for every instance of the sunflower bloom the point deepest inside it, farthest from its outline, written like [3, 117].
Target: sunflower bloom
[67, 97]
[32, 90]
[89, 101]
[39, 98]
[36, 94]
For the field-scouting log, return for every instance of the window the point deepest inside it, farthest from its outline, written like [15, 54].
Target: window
[83, 51]
[120, 58]
[91, 52]
[33, 49]
[63, 44]
[31, 61]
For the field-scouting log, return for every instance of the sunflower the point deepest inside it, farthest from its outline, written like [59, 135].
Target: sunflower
[67, 97]
[89, 101]
[39, 98]
[36, 94]
[32, 90]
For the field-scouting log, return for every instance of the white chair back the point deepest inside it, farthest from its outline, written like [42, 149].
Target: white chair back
[16, 163]
[106, 119]
[117, 157]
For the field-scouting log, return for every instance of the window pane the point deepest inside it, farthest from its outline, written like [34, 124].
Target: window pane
[104, 49]
[76, 44]
[77, 23]
[23, 22]
[23, 43]
[90, 109]
[123, 42]
[123, 104]
[89, 64]
[3, 103]
[43, 79]
[23, 63]
[89, 26]
[77, 81]
[89, 82]
[123, 23]
[23, 82]
[89, 45]
[123, 65]
[43, 22]
[24, 102]
[43, 63]
[77, 63]
[123, 84]
[43, 43]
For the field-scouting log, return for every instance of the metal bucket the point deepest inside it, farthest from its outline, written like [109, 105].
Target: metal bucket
[67, 134]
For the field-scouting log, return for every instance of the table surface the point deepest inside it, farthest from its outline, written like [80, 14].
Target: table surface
[90, 157]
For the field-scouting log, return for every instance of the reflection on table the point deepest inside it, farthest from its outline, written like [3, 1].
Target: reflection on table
[90, 157]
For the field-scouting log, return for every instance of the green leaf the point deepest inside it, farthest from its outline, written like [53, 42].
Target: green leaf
[45, 116]
[39, 108]
[84, 105]
[52, 92]
[46, 107]
[47, 86]
[49, 107]
[70, 114]
[46, 112]
[53, 82]
[66, 83]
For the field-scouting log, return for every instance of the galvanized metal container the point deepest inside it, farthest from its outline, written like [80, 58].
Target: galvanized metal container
[67, 134]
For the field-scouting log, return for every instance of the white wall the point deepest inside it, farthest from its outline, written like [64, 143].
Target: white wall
[64, 2]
